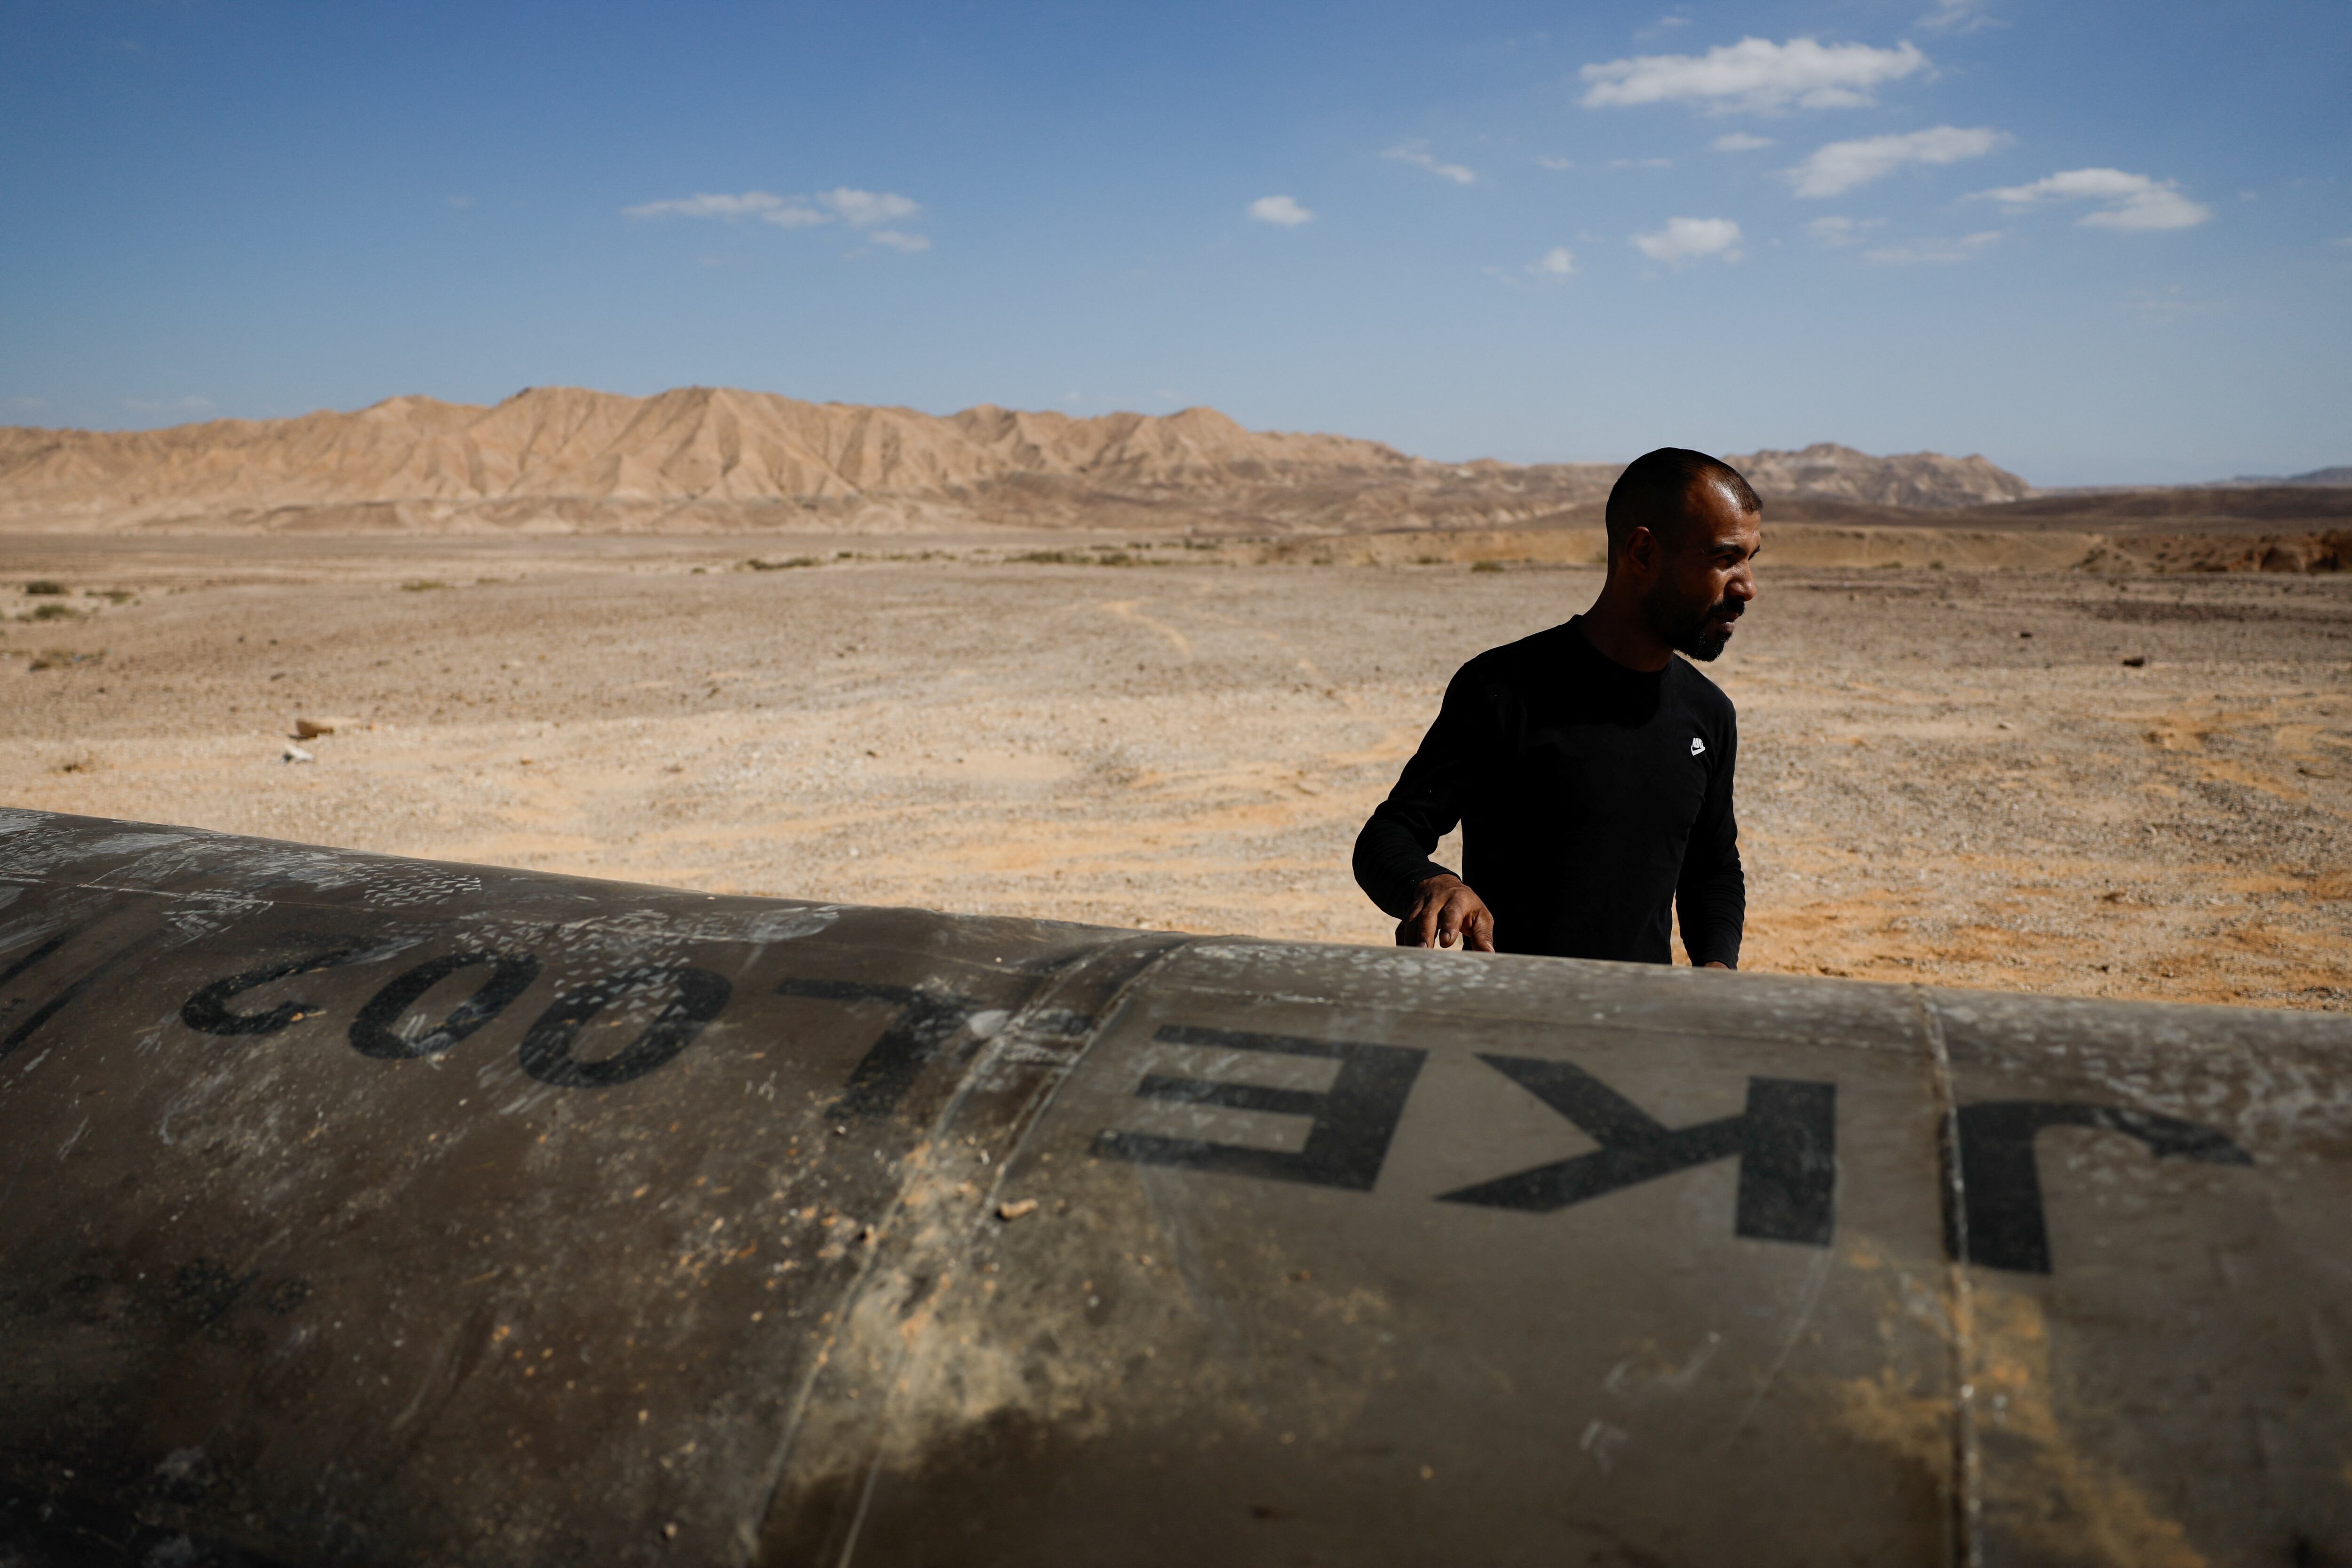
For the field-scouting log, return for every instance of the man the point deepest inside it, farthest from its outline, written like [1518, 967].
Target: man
[1591, 768]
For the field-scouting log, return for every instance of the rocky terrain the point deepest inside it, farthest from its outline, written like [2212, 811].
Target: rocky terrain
[561, 460]
[2137, 784]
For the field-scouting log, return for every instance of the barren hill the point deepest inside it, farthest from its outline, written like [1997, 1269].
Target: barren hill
[700, 460]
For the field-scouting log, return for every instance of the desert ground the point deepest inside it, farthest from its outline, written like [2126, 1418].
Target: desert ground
[1951, 776]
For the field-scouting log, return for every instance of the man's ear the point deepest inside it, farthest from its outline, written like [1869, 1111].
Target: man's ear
[1642, 551]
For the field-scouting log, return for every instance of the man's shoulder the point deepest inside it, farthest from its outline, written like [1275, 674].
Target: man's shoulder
[1701, 693]
[1514, 661]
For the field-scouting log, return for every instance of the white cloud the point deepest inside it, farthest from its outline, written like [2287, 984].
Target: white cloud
[2131, 201]
[1754, 74]
[1641, 162]
[1280, 210]
[1685, 239]
[2345, 241]
[750, 204]
[1957, 17]
[169, 406]
[1968, 248]
[1418, 154]
[2171, 303]
[1841, 166]
[1556, 165]
[867, 209]
[1556, 265]
[859, 209]
[1740, 142]
[1837, 230]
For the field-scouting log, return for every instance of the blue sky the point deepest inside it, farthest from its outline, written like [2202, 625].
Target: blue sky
[2096, 243]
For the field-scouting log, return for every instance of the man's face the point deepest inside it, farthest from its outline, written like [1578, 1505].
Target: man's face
[1706, 573]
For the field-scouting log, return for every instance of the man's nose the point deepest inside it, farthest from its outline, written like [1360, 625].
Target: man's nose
[1742, 585]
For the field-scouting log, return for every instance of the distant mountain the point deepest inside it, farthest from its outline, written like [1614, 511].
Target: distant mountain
[2339, 475]
[1827, 472]
[711, 460]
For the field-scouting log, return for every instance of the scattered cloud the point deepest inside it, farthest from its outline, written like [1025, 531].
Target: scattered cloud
[2171, 303]
[1418, 154]
[1840, 167]
[1281, 210]
[461, 203]
[1557, 265]
[2127, 201]
[1835, 230]
[790, 212]
[1968, 248]
[2346, 242]
[864, 210]
[1687, 240]
[1754, 75]
[27, 404]
[1740, 142]
[1957, 17]
[1556, 165]
[1641, 162]
[169, 406]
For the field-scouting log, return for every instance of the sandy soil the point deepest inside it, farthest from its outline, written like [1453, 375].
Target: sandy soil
[1927, 792]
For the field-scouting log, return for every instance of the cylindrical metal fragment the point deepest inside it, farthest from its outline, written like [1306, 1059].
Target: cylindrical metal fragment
[356, 1210]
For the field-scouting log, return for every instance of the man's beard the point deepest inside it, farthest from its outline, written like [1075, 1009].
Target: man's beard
[1698, 636]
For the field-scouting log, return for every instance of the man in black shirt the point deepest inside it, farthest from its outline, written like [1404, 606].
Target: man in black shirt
[1590, 768]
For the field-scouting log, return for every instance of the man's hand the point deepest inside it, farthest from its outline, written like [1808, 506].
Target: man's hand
[1446, 913]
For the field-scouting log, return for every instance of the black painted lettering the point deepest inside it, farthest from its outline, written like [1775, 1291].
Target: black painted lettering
[66, 995]
[546, 1053]
[40, 950]
[208, 1009]
[2000, 1180]
[372, 1033]
[1353, 1120]
[1786, 1143]
[920, 1029]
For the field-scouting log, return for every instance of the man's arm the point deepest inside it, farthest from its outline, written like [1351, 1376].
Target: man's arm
[1712, 895]
[1433, 905]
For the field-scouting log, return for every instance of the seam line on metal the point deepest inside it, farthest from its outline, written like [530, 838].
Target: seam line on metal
[1968, 1475]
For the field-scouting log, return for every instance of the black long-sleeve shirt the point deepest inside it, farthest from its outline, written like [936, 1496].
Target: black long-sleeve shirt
[1593, 799]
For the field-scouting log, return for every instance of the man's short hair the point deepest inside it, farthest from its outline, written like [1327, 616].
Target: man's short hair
[1651, 491]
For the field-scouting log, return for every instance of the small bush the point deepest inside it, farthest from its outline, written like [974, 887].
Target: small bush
[422, 586]
[1485, 566]
[44, 586]
[64, 658]
[57, 612]
[757, 564]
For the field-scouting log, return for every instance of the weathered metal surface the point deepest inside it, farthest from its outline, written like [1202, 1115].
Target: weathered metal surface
[363, 1211]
